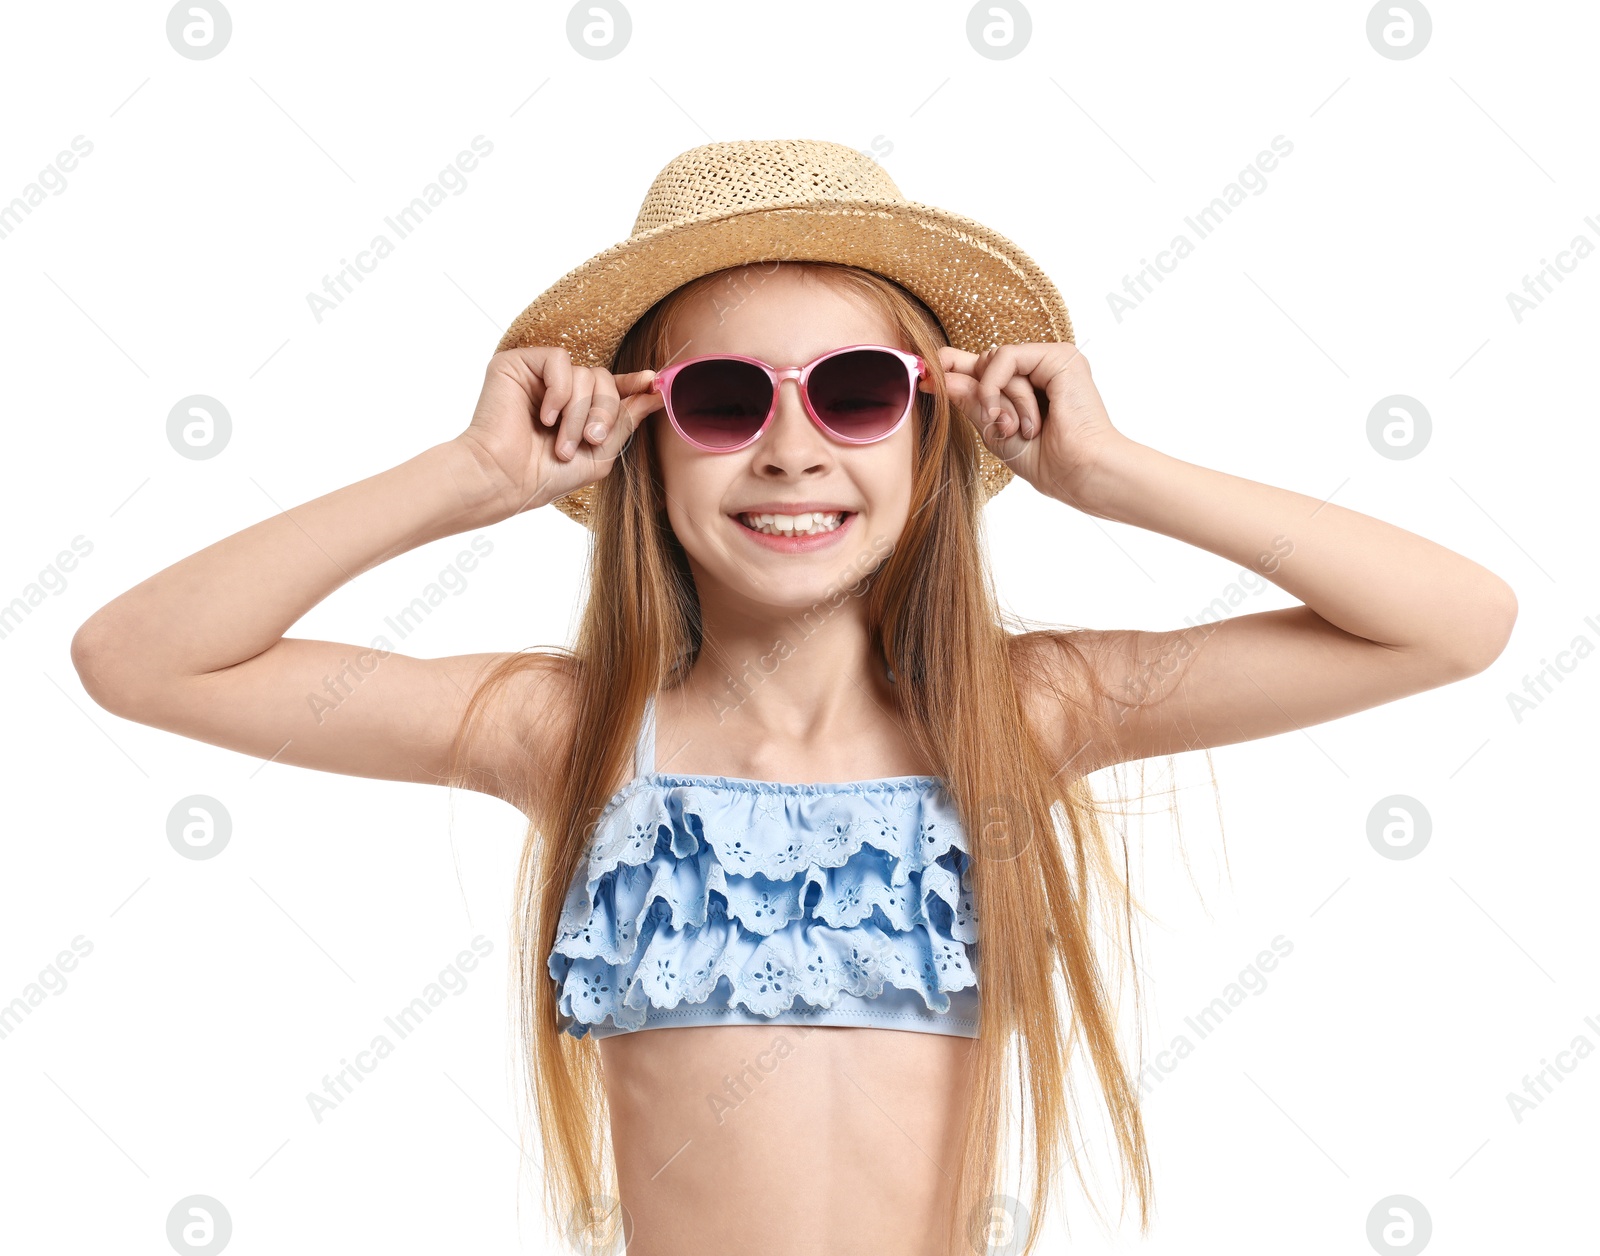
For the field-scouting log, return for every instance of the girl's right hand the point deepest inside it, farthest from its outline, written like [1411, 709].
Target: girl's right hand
[544, 427]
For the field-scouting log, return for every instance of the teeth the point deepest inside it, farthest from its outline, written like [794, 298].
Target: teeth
[793, 525]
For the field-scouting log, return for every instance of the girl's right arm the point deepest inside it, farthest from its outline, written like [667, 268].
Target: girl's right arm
[199, 648]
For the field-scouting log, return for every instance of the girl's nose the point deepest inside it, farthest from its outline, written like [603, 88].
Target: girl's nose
[792, 437]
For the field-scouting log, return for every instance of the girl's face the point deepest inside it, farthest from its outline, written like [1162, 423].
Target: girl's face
[785, 320]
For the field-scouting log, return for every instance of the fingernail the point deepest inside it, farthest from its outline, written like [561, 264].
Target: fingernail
[566, 449]
[595, 432]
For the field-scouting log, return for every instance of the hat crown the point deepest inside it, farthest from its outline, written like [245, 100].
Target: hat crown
[735, 176]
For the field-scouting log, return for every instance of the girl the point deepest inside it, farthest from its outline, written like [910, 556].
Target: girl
[791, 793]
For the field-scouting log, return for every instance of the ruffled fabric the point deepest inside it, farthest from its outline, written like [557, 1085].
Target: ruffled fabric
[790, 894]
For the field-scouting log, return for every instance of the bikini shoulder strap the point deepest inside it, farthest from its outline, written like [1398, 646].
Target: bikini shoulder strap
[644, 753]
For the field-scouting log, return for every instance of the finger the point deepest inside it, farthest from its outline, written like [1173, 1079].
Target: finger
[959, 361]
[641, 405]
[635, 410]
[604, 406]
[630, 412]
[574, 413]
[631, 382]
[1026, 403]
[994, 371]
[954, 364]
[963, 393]
[629, 400]
[555, 368]
[640, 397]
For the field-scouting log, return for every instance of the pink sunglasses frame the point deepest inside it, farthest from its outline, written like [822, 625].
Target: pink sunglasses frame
[916, 371]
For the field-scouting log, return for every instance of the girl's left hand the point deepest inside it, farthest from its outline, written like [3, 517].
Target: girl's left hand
[1036, 408]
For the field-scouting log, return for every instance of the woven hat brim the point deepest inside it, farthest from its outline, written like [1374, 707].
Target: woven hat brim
[980, 285]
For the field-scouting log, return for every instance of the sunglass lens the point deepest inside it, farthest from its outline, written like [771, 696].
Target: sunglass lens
[860, 394]
[721, 402]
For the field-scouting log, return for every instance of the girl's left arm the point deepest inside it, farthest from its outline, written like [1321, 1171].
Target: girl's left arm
[1386, 613]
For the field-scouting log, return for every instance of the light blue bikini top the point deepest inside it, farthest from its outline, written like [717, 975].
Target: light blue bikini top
[720, 900]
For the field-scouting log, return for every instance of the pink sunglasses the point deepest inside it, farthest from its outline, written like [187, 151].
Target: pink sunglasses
[857, 394]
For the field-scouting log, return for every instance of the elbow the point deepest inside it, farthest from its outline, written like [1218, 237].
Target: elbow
[94, 658]
[1492, 621]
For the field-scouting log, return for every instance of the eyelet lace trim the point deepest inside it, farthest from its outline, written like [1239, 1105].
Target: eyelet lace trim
[793, 894]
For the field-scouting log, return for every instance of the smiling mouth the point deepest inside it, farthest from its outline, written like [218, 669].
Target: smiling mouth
[813, 524]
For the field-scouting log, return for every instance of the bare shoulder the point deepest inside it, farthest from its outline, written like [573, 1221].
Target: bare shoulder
[526, 726]
[1060, 683]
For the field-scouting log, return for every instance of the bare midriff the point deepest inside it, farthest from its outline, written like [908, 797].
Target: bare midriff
[786, 1140]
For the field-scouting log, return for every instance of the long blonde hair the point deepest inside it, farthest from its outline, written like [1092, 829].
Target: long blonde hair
[1042, 893]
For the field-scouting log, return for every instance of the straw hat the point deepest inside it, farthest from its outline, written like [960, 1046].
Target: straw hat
[731, 203]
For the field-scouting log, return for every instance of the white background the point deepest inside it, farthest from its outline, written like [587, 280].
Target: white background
[1377, 1060]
